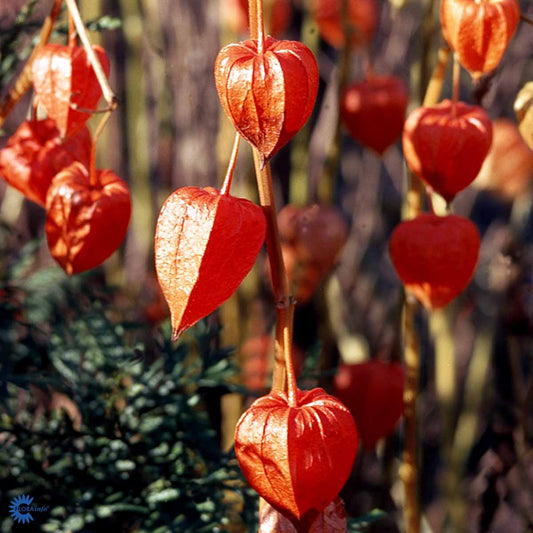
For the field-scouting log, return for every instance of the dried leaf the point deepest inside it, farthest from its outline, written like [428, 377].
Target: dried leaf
[445, 145]
[523, 107]
[85, 224]
[205, 244]
[479, 32]
[268, 96]
[35, 153]
[435, 257]
[297, 457]
[63, 79]
[373, 111]
[373, 392]
[331, 520]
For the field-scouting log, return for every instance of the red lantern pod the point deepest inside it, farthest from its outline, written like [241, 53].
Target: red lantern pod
[277, 16]
[435, 257]
[373, 392]
[363, 16]
[373, 111]
[297, 455]
[479, 32]
[508, 168]
[269, 95]
[64, 79]
[205, 244]
[35, 153]
[445, 145]
[86, 222]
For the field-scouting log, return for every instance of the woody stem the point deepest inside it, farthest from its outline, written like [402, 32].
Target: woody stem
[108, 93]
[280, 283]
[257, 25]
[287, 348]
[226, 186]
[23, 82]
[526, 19]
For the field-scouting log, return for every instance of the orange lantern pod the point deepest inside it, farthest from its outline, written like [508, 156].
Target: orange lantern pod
[268, 95]
[435, 257]
[86, 222]
[508, 169]
[445, 145]
[373, 392]
[297, 453]
[36, 152]
[479, 31]
[205, 244]
[373, 111]
[363, 16]
[64, 79]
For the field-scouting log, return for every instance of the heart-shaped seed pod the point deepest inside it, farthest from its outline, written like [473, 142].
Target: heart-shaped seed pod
[35, 153]
[268, 95]
[64, 79]
[445, 145]
[331, 520]
[363, 16]
[435, 257]
[205, 244]
[86, 220]
[479, 31]
[297, 454]
[373, 392]
[373, 111]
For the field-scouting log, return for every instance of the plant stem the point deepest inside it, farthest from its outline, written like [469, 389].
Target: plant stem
[288, 314]
[23, 82]
[107, 92]
[280, 283]
[226, 186]
[93, 180]
[72, 37]
[409, 467]
[526, 19]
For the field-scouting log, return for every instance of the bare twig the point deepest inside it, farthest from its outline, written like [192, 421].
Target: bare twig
[108, 93]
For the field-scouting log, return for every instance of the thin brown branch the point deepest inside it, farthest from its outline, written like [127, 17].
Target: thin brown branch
[526, 19]
[107, 92]
[409, 467]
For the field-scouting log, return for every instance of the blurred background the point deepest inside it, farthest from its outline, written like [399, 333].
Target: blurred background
[112, 425]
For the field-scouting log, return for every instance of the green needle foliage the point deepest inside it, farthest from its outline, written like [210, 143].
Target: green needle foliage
[111, 433]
